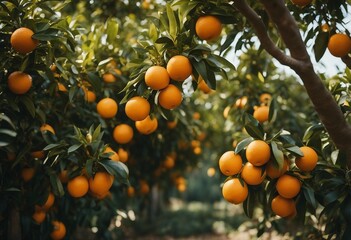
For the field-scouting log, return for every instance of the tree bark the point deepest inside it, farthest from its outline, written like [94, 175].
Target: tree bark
[299, 60]
[14, 224]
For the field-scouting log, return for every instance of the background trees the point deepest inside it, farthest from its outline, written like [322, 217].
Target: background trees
[75, 91]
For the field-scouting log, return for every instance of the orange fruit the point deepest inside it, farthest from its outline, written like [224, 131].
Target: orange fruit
[234, 192]
[301, 3]
[241, 102]
[273, 171]
[265, 98]
[181, 187]
[258, 153]
[109, 77]
[252, 175]
[288, 186]
[130, 191]
[114, 155]
[261, 113]
[325, 27]
[179, 68]
[123, 133]
[107, 108]
[170, 97]
[59, 230]
[63, 176]
[101, 183]
[171, 124]
[202, 85]
[339, 45]
[39, 216]
[49, 202]
[61, 87]
[309, 160]
[47, 127]
[78, 186]
[208, 27]
[144, 187]
[89, 96]
[19, 82]
[27, 173]
[169, 162]
[196, 115]
[230, 163]
[123, 155]
[38, 154]
[137, 108]
[211, 172]
[197, 150]
[22, 41]
[157, 78]
[147, 126]
[283, 207]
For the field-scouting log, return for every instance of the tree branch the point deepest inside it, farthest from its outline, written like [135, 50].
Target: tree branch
[347, 60]
[262, 34]
[325, 105]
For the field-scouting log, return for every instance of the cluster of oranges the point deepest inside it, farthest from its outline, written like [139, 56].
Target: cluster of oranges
[261, 166]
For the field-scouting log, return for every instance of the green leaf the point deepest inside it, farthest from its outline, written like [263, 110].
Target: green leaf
[56, 185]
[117, 169]
[28, 103]
[153, 34]
[52, 146]
[309, 196]
[111, 29]
[320, 45]
[173, 28]
[95, 81]
[272, 110]
[295, 150]
[89, 166]
[278, 154]
[242, 144]
[73, 148]
[253, 128]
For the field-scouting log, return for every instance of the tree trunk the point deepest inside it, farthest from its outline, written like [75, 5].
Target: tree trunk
[14, 224]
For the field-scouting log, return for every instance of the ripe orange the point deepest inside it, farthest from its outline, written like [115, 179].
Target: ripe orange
[261, 113]
[19, 82]
[109, 77]
[230, 163]
[89, 96]
[265, 98]
[169, 162]
[170, 97]
[241, 102]
[130, 191]
[107, 108]
[211, 172]
[27, 173]
[309, 160]
[144, 187]
[283, 207]
[49, 202]
[208, 27]
[339, 44]
[252, 175]
[63, 176]
[288, 186]
[39, 216]
[22, 41]
[179, 68]
[59, 230]
[123, 155]
[114, 155]
[38, 154]
[234, 192]
[101, 183]
[171, 124]
[123, 133]
[47, 127]
[274, 172]
[78, 186]
[147, 126]
[137, 108]
[181, 187]
[196, 115]
[61, 87]
[157, 78]
[258, 152]
[301, 3]
[202, 85]
[325, 27]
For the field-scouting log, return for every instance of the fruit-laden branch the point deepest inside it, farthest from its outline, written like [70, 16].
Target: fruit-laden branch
[328, 110]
